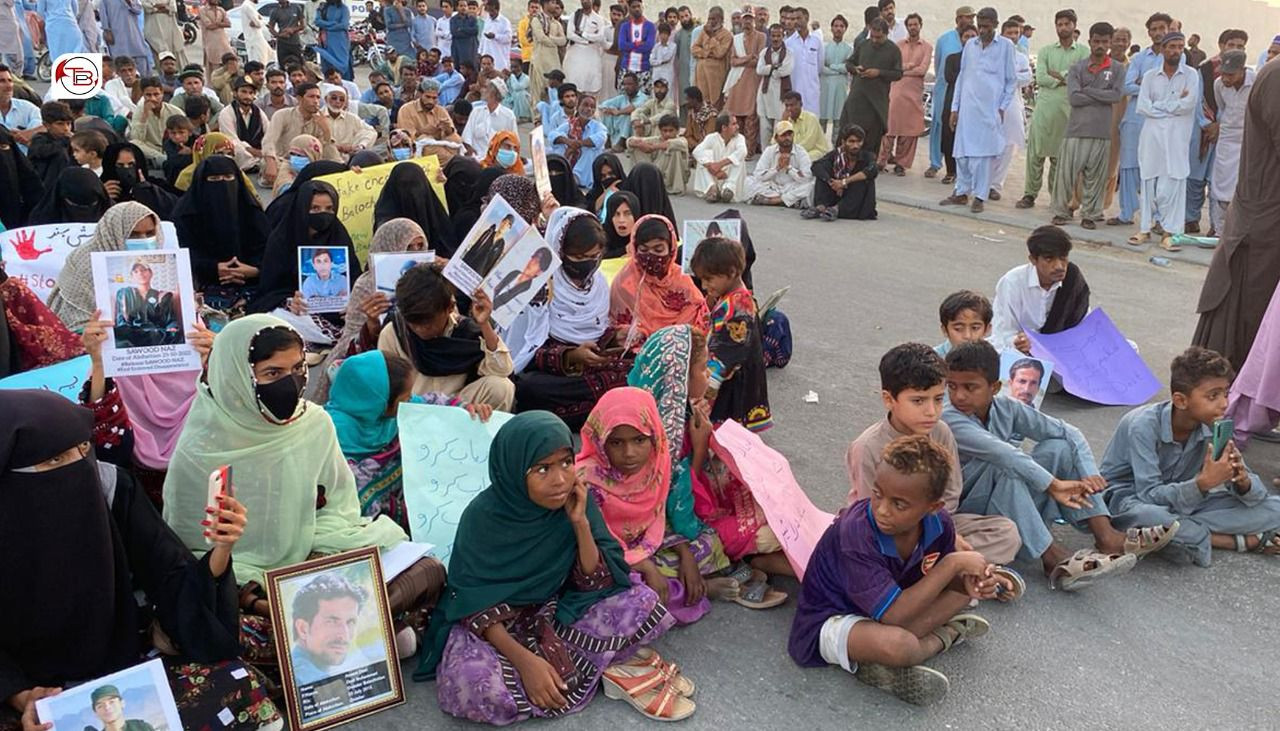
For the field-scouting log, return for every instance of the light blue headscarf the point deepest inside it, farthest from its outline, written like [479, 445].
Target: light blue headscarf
[358, 404]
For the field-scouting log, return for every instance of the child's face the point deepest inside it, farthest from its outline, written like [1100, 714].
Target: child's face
[60, 130]
[967, 327]
[1050, 269]
[970, 392]
[83, 157]
[899, 502]
[656, 247]
[628, 449]
[668, 133]
[915, 411]
[664, 37]
[1207, 402]
[432, 327]
[180, 137]
[551, 479]
[716, 286]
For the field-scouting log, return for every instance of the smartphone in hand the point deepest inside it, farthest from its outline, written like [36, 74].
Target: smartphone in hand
[1223, 429]
[219, 484]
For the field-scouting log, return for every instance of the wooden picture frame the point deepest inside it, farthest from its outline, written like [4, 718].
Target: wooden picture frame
[341, 663]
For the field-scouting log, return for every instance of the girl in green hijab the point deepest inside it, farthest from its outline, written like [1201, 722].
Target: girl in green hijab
[541, 607]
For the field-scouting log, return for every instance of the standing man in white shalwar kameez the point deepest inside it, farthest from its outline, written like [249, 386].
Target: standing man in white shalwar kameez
[1231, 90]
[256, 44]
[588, 35]
[805, 48]
[1167, 102]
[10, 35]
[983, 99]
[495, 36]
[720, 172]
[1015, 129]
[783, 175]
[162, 29]
[123, 35]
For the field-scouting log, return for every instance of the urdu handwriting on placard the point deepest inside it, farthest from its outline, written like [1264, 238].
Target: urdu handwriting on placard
[1096, 362]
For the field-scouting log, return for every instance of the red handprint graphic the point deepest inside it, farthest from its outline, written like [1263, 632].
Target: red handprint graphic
[25, 244]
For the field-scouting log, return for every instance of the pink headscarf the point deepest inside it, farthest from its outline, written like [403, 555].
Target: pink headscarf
[646, 304]
[634, 506]
[157, 405]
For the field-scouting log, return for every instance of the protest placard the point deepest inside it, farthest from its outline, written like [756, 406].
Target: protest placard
[150, 301]
[696, 231]
[445, 453]
[65, 378]
[494, 234]
[35, 254]
[1026, 379]
[792, 516]
[358, 192]
[1096, 362]
[519, 276]
[388, 268]
[324, 278]
[137, 697]
[538, 151]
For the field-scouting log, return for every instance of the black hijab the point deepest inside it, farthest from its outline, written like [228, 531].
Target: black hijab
[460, 176]
[563, 186]
[447, 355]
[278, 277]
[279, 208]
[77, 197]
[20, 187]
[408, 194]
[600, 182]
[733, 214]
[1070, 305]
[135, 185]
[219, 220]
[615, 244]
[645, 181]
[464, 219]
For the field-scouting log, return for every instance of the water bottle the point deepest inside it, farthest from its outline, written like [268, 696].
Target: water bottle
[1160, 261]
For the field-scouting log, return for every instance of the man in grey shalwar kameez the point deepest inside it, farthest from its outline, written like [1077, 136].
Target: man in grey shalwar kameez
[10, 36]
[121, 34]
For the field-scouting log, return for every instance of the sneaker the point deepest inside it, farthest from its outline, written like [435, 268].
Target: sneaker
[993, 195]
[1025, 201]
[977, 206]
[917, 685]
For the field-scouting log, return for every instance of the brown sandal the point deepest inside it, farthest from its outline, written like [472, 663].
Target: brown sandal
[646, 690]
[1143, 541]
[1086, 567]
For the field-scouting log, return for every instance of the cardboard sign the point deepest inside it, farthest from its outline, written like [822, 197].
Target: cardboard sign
[1096, 362]
[358, 192]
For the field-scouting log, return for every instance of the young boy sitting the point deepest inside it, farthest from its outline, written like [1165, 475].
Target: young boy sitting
[1048, 294]
[1057, 480]
[912, 382]
[50, 150]
[885, 585]
[965, 316]
[88, 148]
[738, 389]
[177, 146]
[1160, 468]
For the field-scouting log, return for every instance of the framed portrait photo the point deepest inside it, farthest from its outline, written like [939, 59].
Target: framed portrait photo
[334, 639]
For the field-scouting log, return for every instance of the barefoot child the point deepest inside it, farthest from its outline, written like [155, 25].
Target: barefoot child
[885, 586]
[966, 316]
[738, 388]
[1160, 468]
[1058, 479]
[912, 382]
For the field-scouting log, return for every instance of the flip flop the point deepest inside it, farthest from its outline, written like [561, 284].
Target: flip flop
[1086, 567]
[1139, 239]
[1019, 584]
[917, 685]
[1143, 541]
[1166, 243]
[757, 594]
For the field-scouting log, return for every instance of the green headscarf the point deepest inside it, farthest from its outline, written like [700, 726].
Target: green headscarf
[358, 404]
[508, 549]
[277, 469]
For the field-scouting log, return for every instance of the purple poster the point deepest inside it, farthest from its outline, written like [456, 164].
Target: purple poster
[1097, 363]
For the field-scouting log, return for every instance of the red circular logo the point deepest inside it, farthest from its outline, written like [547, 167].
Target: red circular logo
[77, 75]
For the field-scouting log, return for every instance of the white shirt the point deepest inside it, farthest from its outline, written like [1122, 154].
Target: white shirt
[1232, 105]
[1168, 120]
[500, 45]
[897, 31]
[1019, 299]
[121, 97]
[482, 125]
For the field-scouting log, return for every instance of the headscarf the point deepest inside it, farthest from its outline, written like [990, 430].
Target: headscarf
[31, 336]
[143, 191]
[634, 506]
[392, 237]
[77, 196]
[601, 182]
[366, 159]
[60, 544]
[20, 186]
[220, 220]
[206, 147]
[278, 277]
[358, 404]
[284, 469]
[662, 368]
[563, 185]
[645, 181]
[510, 550]
[615, 244]
[650, 303]
[491, 159]
[460, 176]
[72, 297]
[408, 194]
[520, 192]
[280, 206]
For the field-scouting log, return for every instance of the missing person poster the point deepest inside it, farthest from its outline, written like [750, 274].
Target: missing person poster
[150, 301]
[388, 268]
[136, 698]
[520, 276]
[324, 278]
[696, 231]
[495, 233]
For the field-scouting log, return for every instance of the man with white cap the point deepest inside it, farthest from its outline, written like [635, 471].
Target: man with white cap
[1167, 103]
[350, 133]
[783, 175]
[1231, 92]
[488, 118]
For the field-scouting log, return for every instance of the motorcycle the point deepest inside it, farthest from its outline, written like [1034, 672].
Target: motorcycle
[367, 45]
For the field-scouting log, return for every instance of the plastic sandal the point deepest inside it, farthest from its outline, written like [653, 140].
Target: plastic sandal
[646, 691]
[1019, 584]
[1167, 243]
[757, 594]
[1139, 239]
[1086, 567]
[648, 657]
[1266, 539]
[960, 628]
[917, 685]
[1143, 541]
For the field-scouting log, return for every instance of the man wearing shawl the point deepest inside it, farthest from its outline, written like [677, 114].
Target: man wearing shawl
[712, 50]
[774, 70]
[743, 83]
[874, 65]
[244, 122]
[583, 138]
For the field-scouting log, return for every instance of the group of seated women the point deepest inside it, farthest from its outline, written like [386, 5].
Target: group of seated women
[564, 569]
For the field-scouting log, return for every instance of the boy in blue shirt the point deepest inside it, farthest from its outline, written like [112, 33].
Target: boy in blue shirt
[965, 316]
[885, 585]
[1057, 480]
[1160, 467]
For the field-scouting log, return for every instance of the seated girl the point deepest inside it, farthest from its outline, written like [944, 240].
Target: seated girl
[651, 292]
[626, 465]
[738, 389]
[367, 392]
[541, 609]
[249, 413]
[577, 362]
[457, 356]
[619, 218]
[672, 366]
[606, 173]
[79, 540]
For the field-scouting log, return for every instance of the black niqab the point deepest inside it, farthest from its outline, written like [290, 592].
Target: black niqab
[77, 197]
[280, 206]
[645, 181]
[133, 188]
[408, 194]
[20, 187]
[218, 220]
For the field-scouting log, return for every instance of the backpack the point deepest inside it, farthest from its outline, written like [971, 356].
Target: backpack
[775, 332]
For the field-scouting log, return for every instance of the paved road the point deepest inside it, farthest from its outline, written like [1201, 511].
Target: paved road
[1182, 647]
